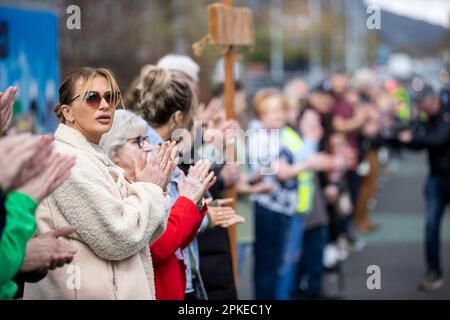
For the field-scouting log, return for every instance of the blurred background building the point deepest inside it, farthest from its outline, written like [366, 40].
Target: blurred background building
[306, 37]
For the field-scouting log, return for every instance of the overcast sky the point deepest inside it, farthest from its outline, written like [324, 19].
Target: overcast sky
[433, 11]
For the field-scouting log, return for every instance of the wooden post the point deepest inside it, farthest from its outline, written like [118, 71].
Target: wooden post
[230, 27]
[229, 111]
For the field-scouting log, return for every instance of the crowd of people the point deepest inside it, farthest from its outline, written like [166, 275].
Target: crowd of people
[127, 199]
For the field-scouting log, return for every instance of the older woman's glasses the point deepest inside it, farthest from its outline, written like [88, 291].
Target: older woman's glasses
[140, 140]
[94, 98]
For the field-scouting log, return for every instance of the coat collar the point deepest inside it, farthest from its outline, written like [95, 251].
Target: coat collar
[74, 138]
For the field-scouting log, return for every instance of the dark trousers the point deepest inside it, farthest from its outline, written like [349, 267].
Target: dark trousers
[354, 182]
[437, 194]
[335, 223]
[271, 235]
[311, 267]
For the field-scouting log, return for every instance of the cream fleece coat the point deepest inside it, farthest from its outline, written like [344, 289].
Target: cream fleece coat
[115, 222]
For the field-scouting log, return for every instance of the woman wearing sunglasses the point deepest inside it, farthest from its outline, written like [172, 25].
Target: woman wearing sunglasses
[127, 145]
[115, 219]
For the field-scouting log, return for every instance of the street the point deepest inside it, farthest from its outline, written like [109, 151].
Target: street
[397, 247]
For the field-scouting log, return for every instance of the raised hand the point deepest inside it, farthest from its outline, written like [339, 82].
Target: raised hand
[38, 161]
[197, 182]
[222, 215]
[320, 162]
[220, 125]
[7, 99]
[253, 186]
[230, 174]
[56, 171]
[262, 188]
[159, 169]
[234, 220]
[23, 157]
[206, 113]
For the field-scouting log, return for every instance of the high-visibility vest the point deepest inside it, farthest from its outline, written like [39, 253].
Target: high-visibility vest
[305, 179]
[401, 95]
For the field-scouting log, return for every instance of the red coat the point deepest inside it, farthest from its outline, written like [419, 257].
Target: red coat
[182, 226]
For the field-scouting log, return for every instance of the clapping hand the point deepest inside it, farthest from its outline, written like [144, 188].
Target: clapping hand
[160, 168]
[7, 99]
[47, 251]
[222, 215]
[197, 182]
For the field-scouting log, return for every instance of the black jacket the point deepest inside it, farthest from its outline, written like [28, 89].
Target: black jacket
[216, 266]
[434, 135]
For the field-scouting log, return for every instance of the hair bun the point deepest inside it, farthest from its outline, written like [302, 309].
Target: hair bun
[156, 80]
[158, 94]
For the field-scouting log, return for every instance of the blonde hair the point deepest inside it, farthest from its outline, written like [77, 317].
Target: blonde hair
[159, 93]
[132, 96]
[87, 74]
[264, 94]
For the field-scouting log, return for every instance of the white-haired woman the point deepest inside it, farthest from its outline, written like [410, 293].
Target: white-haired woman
[127, 145]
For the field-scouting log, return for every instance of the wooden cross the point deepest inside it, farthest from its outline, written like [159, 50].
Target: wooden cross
[230, 27]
